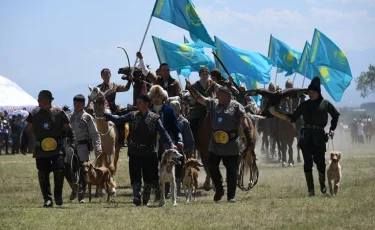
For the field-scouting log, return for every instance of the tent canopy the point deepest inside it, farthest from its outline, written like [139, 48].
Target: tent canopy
[13, 97]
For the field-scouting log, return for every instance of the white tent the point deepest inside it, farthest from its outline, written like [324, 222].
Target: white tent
[13, 97]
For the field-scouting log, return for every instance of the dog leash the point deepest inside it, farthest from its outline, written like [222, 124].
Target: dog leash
[333, 147]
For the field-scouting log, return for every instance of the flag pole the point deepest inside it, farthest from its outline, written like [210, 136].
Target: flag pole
[294, 78]
[143, 40]
[276, 76]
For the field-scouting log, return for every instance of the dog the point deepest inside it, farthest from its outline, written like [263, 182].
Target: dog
[101, 177]
[189, 177]
[334, 172]
[167, 174]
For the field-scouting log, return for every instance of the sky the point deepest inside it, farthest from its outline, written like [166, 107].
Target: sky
[63, 45]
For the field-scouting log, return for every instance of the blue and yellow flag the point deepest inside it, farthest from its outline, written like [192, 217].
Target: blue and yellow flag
[181, 56]
[182, 13]
[283, 56]
[303, 67]
[251, 64]
[329, 62]
[197, 41]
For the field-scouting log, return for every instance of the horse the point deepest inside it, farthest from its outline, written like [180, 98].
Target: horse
[141, 83]
[108, 133]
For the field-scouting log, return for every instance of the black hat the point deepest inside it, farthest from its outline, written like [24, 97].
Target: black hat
[145, 98]
[315, 85]
[79, 98]
[45, 94]
[224, 89]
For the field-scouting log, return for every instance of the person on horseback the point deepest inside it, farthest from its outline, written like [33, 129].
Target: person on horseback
[168, 118]
[111, 97]
[226, 115]
[88, 138]
[143, 160]
[313, 137]
[164, 79]
[206, 88]
[50, 126]
[217, 77]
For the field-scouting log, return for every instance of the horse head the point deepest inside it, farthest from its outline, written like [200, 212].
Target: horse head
[97, 98]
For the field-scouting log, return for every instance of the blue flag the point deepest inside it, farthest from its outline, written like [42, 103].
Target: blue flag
[182, 13]
[283, 56]
[197, 41]
[251, 64]
[181, 56]
[250, 84]
[303, 67]
[329, 62]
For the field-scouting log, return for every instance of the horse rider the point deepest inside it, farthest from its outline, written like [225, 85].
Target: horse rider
[50, 126]
[313, 137]
[143, 160]
[206, 88]
[113, 88]
[88, 138]
[187, 136]
[164, 79]
[168, 118]
[227, 115]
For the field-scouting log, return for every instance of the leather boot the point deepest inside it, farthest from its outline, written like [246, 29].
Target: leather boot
[310, 183]
[45, 188]
[58, 177]
[146, 193]
[136, 193]
[322, 182]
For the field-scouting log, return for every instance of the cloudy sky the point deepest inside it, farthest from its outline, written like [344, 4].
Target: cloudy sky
[63, 45]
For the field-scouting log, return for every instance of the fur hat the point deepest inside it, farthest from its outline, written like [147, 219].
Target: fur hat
[272, 87]
[158, 90]
[315, 85]
[224, 89]
[289, 84]
[243, 86]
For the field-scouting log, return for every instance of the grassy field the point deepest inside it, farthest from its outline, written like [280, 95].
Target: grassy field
[278, 201]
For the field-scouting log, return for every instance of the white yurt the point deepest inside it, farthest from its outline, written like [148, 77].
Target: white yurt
[13, 98]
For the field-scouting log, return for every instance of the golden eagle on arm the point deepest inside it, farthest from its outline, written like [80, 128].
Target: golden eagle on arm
[274, 98]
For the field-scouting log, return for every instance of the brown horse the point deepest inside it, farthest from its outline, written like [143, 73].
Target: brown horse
[202, 139]
[107, 129]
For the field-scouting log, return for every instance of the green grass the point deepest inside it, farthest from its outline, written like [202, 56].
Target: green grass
[278, 201]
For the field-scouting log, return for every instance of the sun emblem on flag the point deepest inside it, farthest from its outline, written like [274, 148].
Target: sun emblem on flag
[288, 58]
[186, 51]
[341, 57]
[247, 60]
[324, 72]
[193, 16]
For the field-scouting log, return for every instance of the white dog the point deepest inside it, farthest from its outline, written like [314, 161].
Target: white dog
[167, 174]
[334, 172]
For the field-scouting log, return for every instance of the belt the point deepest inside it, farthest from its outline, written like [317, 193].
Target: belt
[313, 127]
[223, 137]
[83, 142]
[141, 146]
[49, 143]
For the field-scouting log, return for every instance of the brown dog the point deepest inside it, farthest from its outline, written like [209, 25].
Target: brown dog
[189, 177]
[101, 177]
[334, 172]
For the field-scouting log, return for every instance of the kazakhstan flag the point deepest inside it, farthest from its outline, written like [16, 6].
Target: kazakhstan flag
[283, 56]
[197, 41]
[329, 62]
[181, 56]
[182, 13]
[303, 67]
[239, 61]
